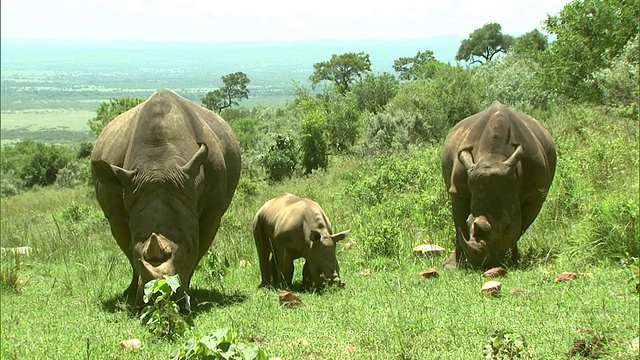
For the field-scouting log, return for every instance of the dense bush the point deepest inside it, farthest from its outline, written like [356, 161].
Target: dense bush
[514, 81]
[619, 83]
[34, 163]
[281, 159]
[313, 145]
[77, 172]
[372, 92]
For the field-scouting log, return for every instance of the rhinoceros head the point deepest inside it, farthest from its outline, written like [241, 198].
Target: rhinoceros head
[321, 266]
[494, 222]
[161, 204]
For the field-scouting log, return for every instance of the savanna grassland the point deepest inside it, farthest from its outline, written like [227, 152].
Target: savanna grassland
[368, 151]
[65, 300]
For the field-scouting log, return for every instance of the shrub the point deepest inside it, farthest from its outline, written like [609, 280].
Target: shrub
[35, 162]
[314, 145]
[76, 173]
[281, 159]
[514, 81]
[372, 92]
[222, 344]
[162, 315]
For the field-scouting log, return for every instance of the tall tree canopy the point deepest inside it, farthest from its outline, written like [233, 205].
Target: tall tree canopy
[408, 67]
[484, 43]
[589, 35]
[233, 90]
[109, 110]
[341, 70]
[530, 43]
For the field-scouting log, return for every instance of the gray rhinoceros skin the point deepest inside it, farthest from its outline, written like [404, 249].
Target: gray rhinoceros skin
[164, 174]
[498, 166]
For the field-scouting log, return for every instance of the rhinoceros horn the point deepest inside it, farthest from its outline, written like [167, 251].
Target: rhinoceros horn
[157, 250]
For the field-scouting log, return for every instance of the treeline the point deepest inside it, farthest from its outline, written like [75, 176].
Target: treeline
[348, 109]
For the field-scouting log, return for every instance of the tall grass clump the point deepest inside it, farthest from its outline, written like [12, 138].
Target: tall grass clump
[594, 196]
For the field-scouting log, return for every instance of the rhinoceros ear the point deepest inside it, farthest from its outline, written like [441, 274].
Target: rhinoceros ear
[192, 168]
[111, 174]
[340, 236]
[466, 158]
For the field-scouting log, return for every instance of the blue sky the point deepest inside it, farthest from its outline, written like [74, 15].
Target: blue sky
[275, 20]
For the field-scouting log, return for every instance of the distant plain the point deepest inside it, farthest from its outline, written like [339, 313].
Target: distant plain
[47, 85]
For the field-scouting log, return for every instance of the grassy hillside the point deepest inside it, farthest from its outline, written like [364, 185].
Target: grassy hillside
[62, 301]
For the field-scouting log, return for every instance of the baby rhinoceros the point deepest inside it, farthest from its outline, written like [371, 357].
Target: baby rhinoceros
[287, 228]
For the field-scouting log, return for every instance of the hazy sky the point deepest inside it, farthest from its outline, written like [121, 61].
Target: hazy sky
[259, 20]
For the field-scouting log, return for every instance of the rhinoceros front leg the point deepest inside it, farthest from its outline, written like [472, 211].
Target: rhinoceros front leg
[120, 231]
[460, 210]
[284, 264]
[264, 248]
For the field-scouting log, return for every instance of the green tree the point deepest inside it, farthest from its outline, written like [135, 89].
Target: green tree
[408, 66]
[484, 43]
[530, 43]
[341, 70]
[589, 34]
[234, 89]
[372, 92]
[109, 110]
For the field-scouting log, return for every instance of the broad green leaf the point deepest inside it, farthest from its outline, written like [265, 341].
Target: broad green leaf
[173, 281]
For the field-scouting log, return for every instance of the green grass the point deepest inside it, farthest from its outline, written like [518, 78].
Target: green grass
[68, 303]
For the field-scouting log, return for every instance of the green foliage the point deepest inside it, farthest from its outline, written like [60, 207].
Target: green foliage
[222, 344]
[373, 92]
[33, 163]
[233, 90]
[515, 82]
[247, 187]
[84, 149]
[484, 43]
[246, 131]
[530, 44]
[580, 49]
[408, 67]
[108, 111]
[340, 115]
[619, 82]
[505, 345]
[77, 172]
[432, 106]
[281, 159]
[341, 70]
[314, 146]
[217, 268]
[162, 314]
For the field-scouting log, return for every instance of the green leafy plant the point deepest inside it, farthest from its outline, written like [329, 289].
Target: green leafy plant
[281, 159]
[221, 344]
[216, 267]
[505, 344]
[162, 314]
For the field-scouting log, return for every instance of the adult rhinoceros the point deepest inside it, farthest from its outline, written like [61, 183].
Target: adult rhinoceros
[164, 173]
[498, 166]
